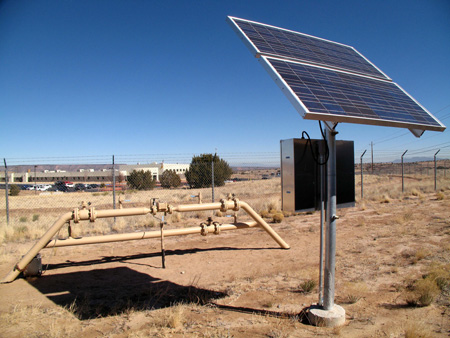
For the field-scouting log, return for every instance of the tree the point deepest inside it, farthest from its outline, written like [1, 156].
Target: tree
[14, 190]
[141, 180]
[170, 179]
[199, 173]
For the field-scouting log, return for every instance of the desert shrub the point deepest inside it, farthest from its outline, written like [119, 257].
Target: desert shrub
[14, 190]
[23, 219]
[264, 213]
[141, 180]
[417, 330]
[199, 174]
[170, 179]
[102, 185]
[415, 192]
[35, 217]
[385, 199]
[440, 196]
[440, 273]
[423, 293]
[278, 217]
[308, 285]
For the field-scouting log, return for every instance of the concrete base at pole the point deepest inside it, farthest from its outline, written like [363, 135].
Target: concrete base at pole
[317, 316]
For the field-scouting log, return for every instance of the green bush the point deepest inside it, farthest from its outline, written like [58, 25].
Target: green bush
[14, 190]
[199, 174]
[170, 179]
[141, 180]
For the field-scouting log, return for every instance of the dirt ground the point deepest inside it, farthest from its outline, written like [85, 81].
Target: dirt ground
[240, 283]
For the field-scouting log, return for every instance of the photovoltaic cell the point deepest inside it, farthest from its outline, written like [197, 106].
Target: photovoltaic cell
[332, 82]
[334, 95]
[274, 41]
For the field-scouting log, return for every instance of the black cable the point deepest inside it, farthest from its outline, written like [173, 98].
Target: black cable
[315, 157]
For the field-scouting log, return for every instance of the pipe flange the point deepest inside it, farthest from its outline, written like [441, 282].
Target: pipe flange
[216, 228]
[92, 214]
[169, 209]
[204, 230]
[223, 205]
[236, 204]
[76, 215]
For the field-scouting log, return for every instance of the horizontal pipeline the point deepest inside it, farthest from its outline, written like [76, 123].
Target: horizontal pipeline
[144, 235]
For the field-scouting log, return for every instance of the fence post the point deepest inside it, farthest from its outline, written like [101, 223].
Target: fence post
[212, 177]
[114, 183]
[6, 191]
[435, 170]
[403, 184]
[361, 164]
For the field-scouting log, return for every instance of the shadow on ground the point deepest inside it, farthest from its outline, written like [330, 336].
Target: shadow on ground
[108, 292]
[168, 253]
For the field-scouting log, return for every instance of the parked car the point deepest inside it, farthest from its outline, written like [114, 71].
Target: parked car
[69, 184]
[93, 186]
[24, 186]
[43, 187]
[80, 187]
[59, 186]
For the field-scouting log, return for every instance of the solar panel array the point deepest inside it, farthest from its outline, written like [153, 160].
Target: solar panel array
[329, 81]
[269, 40]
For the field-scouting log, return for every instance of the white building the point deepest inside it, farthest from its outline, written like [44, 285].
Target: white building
[91, 175]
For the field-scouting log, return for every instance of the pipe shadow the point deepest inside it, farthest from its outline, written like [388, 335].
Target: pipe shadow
[112, 259]
[109, 292]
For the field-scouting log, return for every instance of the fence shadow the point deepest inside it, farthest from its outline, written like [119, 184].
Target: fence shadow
[109, 292]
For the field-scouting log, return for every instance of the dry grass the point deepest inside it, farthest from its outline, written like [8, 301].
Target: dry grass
[354, 291]
[423, 292]
[414, 329]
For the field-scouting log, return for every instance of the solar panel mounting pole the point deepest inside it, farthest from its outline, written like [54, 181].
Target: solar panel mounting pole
[330, 242]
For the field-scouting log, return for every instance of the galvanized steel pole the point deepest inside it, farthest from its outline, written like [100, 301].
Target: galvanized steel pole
[330, 247]
[212, 179]
[322, 222]
[6, 191]
[114, 183]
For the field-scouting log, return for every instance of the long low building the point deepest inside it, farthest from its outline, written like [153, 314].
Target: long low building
[122, 171]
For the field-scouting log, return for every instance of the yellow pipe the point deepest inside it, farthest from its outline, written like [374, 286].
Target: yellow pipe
[91, 214]
[263, 224]
[143, 235]
[19, 267]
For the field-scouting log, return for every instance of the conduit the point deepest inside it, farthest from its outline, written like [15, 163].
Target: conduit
[91, 214]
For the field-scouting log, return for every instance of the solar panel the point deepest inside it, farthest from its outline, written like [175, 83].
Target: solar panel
[328, 81]
[273, 41]
[332, 95]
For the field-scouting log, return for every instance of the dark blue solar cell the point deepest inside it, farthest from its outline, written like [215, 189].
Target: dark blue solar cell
[285, 43]
[354, 96]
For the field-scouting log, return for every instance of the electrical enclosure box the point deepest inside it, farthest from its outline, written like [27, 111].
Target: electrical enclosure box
[301, 174]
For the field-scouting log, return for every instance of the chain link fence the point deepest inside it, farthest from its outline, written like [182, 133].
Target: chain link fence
[38, 194]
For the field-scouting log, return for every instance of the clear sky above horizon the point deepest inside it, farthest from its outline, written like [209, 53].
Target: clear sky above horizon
[87, 78]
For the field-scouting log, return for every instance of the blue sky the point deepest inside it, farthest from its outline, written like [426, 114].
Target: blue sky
[96, 78]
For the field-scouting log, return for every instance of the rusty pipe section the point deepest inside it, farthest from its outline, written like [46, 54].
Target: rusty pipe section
[143, 235]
